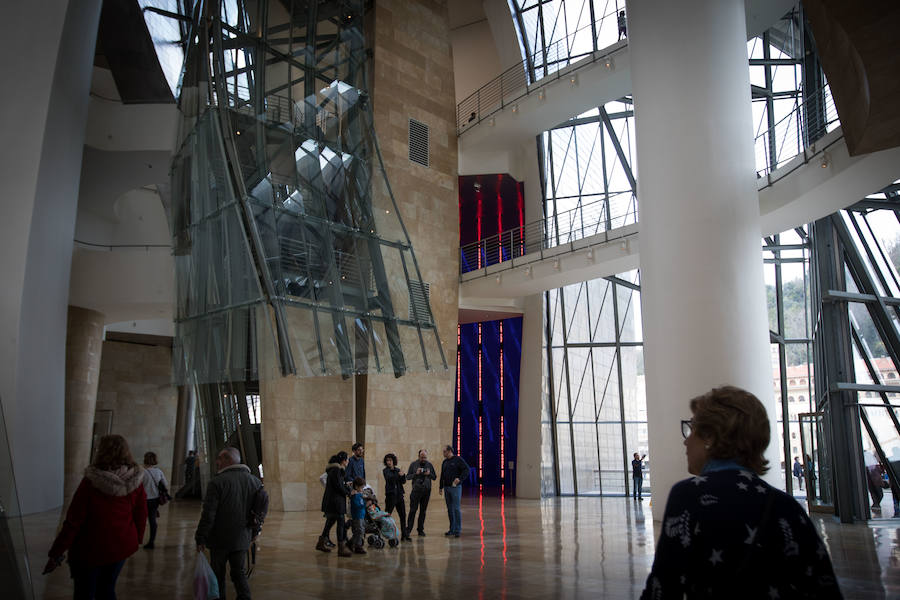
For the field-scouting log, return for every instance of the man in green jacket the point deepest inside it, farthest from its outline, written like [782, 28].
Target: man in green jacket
[224, 523]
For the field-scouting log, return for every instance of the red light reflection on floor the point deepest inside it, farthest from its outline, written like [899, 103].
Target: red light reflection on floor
[481, 518]
[503, 519]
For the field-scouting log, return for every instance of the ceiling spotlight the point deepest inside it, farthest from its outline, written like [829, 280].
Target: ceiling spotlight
[609, 62]
[237, 132]
[826, 160]
[477, 187]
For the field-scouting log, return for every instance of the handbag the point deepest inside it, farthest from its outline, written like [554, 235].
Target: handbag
[163, 493]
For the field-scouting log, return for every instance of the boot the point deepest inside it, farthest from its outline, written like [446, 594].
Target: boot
[329, 543]
[344, 550]
[359, 550]
[321, 546]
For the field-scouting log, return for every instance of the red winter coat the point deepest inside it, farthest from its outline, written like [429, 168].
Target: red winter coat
[105, 522]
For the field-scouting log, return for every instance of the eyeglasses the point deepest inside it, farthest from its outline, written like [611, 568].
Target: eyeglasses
[687, 427]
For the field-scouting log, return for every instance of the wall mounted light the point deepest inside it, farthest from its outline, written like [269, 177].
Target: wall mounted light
[826, 160]
[541, 95]
[624, 246]
[515, 108]
[556, 264]
[491, 122]
[528, 272]
[573, 80]
[499, 279]
[609, 62]
[589, 254]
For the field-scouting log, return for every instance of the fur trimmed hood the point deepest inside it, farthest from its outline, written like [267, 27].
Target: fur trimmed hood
[120, 482]
[334, 466]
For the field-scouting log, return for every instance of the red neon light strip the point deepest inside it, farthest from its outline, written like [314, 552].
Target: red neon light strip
[480, 400]
[458, 388]
[520, 204]
[500, 220]
[478, 214]
[502, 436]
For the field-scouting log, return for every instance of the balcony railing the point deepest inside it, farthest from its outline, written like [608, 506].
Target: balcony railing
[548, 65]
[533, 238]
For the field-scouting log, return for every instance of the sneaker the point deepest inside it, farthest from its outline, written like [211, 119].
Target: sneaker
[449, 533]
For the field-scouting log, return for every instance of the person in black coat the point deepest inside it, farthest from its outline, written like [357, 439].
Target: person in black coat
[334, 504]
[726, 533]
[393, 492]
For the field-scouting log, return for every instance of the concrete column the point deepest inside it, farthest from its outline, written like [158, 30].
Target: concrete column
[84, 346]
[703, 301]
[529, 468]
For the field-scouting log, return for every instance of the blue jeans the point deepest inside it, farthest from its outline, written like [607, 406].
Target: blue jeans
[638, 487]
[453, 496]
[96, 582]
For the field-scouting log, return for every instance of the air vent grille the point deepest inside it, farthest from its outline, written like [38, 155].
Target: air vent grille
[418, 143]
[419, 296]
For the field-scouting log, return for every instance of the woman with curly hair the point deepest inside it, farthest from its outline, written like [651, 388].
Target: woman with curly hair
[105, 521]
[727, 533]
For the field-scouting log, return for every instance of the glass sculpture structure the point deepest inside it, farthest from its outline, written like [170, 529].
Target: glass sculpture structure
[285, 227]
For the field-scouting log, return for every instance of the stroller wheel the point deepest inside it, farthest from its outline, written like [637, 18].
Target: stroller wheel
[379, 543]
[393, 543]
[373, 540]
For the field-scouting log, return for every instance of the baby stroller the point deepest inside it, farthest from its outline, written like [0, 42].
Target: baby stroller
[380, 526]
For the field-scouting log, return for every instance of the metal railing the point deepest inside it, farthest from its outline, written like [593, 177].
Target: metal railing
[808, 122]
[548, 65]
[533, 238]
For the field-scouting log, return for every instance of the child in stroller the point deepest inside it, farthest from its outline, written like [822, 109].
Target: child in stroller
[379, 524]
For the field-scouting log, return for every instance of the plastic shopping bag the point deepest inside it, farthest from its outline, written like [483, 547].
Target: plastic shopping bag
[206, 586]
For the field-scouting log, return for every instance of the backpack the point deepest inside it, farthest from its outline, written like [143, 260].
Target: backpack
[259, 508]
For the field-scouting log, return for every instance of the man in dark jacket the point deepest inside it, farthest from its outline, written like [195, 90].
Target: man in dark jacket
[422, 474]
[224, 523]
[356, 466]
[454, 471]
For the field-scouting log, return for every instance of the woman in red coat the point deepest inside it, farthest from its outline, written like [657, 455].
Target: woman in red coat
[105, 522]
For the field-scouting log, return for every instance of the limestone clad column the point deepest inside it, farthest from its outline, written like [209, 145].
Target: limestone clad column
[84, 346]
[703, 294]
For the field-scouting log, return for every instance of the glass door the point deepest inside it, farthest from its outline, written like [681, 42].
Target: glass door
[816, 462]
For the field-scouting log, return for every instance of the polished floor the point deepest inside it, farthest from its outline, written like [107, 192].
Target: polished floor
[510, 548]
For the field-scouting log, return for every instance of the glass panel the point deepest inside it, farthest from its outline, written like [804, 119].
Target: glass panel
[14, 563]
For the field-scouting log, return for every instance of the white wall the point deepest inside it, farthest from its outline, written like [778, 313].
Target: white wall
[43, 120]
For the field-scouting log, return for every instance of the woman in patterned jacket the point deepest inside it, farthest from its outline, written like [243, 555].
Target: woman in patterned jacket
[727, 533]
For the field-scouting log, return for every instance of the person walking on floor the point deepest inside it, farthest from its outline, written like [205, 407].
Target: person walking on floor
[394, 479]
[224, 525]
[105, 521]
[798, 472]
[637, 476]
[334, 504]
[454, 471]
[153, 477]
[422, 473]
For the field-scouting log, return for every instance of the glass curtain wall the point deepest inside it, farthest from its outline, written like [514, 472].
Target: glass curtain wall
[859, 404]
[595, 408]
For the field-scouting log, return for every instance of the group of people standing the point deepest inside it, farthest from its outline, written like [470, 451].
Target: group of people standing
[345, 474]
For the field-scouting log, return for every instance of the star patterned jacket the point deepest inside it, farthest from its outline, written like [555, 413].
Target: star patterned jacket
[729, 534]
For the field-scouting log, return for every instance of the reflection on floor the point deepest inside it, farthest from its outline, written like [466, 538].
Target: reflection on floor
[510, 548]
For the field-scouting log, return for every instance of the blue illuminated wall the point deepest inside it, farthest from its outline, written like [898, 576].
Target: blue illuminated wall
[487, 401]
